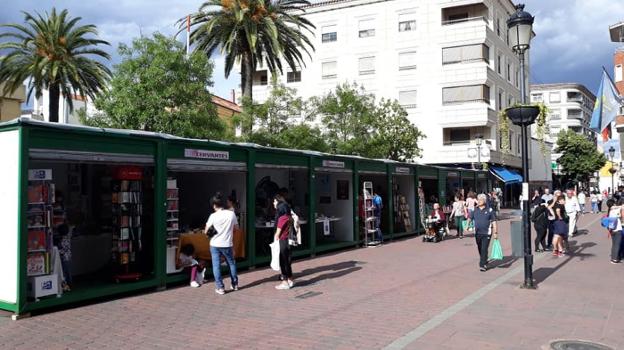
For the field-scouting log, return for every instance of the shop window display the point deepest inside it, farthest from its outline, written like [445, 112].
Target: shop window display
[334, 207]
[380, 188]
[188, 209]
[404, 196]
[89, 223]
[293, 185]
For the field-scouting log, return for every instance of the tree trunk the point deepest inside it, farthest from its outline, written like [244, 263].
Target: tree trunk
[53, 108]
[247, 71]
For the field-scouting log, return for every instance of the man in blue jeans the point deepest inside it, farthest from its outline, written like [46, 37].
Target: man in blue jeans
[378, 207]
[220, 227]
[484, 218]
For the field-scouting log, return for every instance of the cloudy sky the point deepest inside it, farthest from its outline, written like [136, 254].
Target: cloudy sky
[572, 42]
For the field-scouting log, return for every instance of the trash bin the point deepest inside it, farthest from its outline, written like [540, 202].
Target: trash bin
[517, 243]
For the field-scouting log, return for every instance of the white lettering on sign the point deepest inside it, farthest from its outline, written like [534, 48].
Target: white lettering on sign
[452, 174]
[40, 175]
[402, 170]
[333, 164]
[202, 154]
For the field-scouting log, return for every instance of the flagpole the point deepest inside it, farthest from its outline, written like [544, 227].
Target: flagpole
[188, 35]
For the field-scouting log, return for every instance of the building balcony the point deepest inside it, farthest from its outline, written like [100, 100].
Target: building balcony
[468, 114]
[459, 153]
[466, 30]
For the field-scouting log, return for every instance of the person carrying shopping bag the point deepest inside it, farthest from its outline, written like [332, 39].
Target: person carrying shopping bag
[484, 220]
[282, 231]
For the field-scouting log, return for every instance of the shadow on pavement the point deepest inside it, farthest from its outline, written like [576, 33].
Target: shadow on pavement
[339, 269]
[541, 274]
[506, 263]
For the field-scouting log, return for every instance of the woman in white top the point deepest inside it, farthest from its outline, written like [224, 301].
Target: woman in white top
[593, 197]
[616, 211]
[459, 213]
[581, 199]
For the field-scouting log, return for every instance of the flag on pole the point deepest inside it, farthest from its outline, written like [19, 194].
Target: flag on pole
[188, 34]
[606, 108]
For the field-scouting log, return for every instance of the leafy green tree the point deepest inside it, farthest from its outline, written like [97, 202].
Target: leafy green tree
[396, 137]
[56, 54]
[254, 33]
[158, 88]
[579, 156]
[355, 124]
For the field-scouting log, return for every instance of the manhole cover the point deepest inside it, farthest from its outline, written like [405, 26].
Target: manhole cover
[577, 345]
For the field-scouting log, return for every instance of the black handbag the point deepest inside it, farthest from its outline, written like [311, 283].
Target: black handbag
[212, 232]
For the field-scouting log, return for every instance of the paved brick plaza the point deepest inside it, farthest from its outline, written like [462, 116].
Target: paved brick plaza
[406, 293]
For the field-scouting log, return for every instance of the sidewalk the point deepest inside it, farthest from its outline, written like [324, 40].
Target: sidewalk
[432, 296]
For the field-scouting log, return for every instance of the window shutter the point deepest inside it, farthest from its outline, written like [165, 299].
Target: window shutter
[451, 55]
[407, 60]
[329, 69]
[408, 98]
[367, 65]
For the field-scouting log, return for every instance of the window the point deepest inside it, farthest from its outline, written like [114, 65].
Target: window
[467, 53]
[329, 34]
[497, 22]
[499, 61]
[459, 135]
[618, 73]
[408, 98]
[554, 115]
[407, 60]
[537, 97]
[367, 28]
[407, 22]
[468, 93]
[367, 65]
[554, 97]
[293, 77]
[329, 70]
[261, 78]
[509, 71]
[500, 99]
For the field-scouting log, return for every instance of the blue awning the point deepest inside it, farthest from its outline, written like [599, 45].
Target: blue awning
[507, 176]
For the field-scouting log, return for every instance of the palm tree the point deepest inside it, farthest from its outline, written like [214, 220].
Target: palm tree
[54, 53]
[253, 33]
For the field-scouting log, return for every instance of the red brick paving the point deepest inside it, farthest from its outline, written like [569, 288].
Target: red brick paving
[360, 299]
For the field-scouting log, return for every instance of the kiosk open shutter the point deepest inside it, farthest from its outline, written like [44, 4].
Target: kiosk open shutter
[204, 165]
[79, 156]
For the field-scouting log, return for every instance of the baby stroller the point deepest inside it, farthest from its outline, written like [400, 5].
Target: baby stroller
[436, 230]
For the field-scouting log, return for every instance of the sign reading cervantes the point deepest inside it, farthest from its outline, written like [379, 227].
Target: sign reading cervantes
[203, 154]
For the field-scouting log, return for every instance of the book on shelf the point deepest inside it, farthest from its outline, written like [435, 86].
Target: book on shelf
[38, 264]
[37, 240]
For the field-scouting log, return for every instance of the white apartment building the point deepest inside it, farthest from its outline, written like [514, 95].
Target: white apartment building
[448, 62]
[570, 107]
[41, 110]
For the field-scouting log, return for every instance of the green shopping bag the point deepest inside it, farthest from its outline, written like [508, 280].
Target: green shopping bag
[497, 251]
[468, 227]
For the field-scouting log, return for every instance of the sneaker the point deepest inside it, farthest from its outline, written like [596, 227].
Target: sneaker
[483, 269]
[615, 262]
[555, 253]
[291, 283]
[220, 291]
[194, 284]
[282, 286]
[234, 287]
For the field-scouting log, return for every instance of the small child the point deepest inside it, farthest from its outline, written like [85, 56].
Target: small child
[186, 259]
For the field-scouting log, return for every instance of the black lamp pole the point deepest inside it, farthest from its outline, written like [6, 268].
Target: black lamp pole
[520, 26]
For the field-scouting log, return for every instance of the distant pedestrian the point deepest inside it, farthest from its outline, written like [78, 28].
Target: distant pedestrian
[593, 197]
[484, 219]
[560, 226]
[601, 197]
[223, 222]
[616, 211]
[581, 200]
[459, 213]
[378, 208]
[547, 196]
[551, 224]
[536, 200]
[572, 209]
[540, 222]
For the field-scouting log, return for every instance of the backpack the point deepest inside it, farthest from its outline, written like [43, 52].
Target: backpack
[609, 223]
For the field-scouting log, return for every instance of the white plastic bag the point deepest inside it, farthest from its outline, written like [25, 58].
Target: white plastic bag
[275, 252]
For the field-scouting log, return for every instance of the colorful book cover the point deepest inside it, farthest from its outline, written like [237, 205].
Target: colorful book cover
[36, 264]
[37, 240]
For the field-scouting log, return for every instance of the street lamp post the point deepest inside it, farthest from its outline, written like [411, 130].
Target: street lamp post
[520, 26]
[612, 169]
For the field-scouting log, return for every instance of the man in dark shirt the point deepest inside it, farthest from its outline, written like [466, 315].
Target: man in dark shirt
[484, 218]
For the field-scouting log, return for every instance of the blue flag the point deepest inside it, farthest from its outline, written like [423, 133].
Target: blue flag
[607, 105]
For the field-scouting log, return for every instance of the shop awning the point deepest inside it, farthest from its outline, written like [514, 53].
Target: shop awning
[188, 165]
[88, 157]
[507, 176]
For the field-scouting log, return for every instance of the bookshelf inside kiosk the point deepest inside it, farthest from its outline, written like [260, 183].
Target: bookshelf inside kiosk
[190, 186]
[293, 184]
[334, 206]
[88, 222]
[404, 205]
[429, 185]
